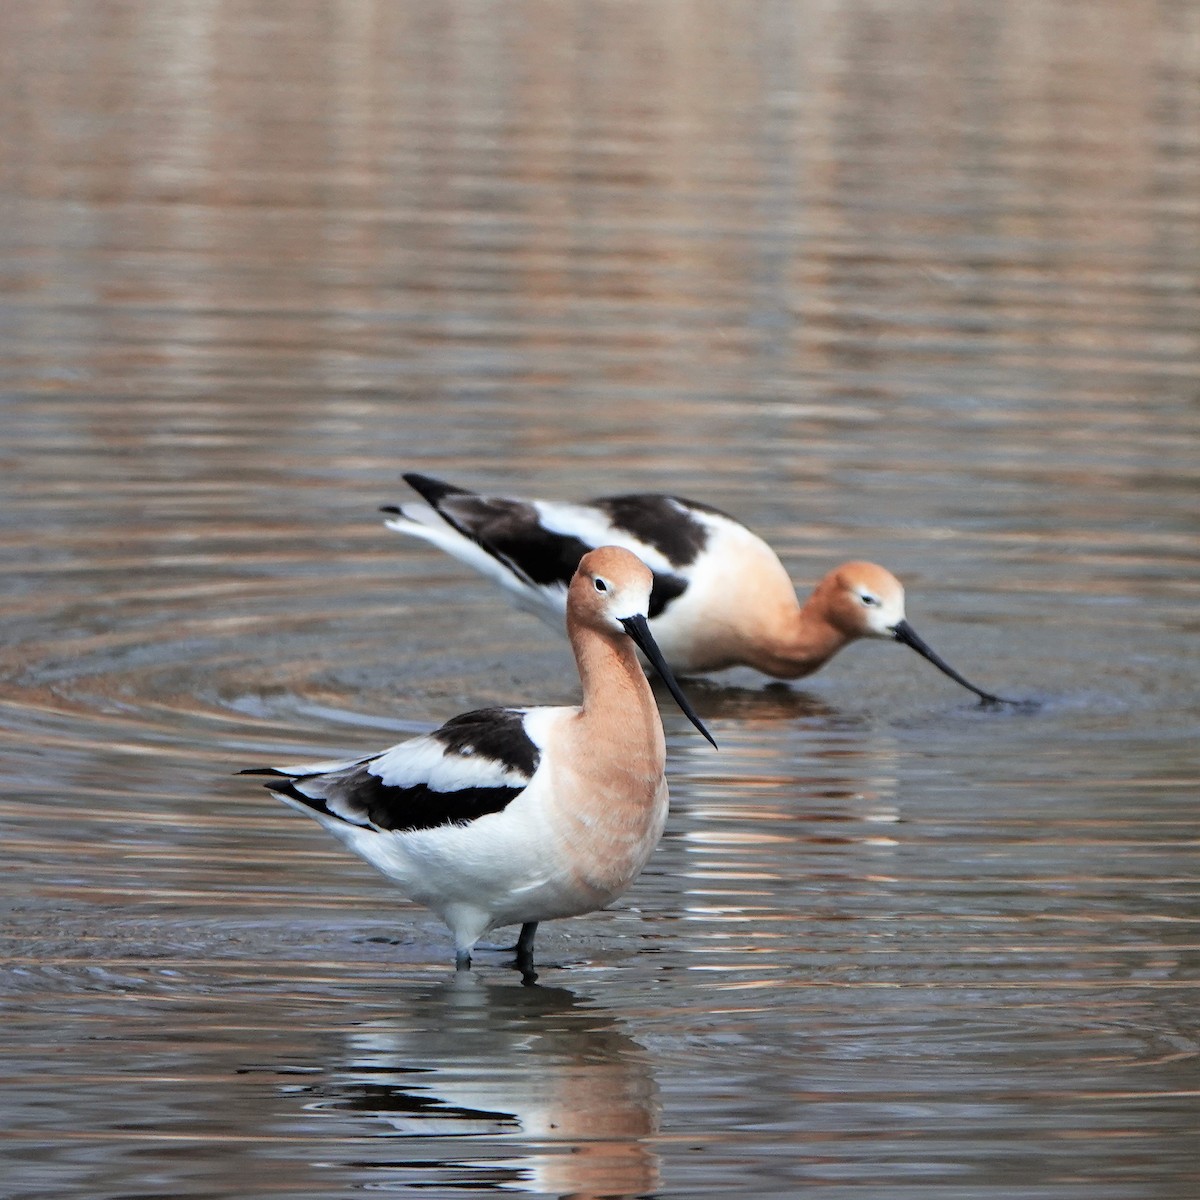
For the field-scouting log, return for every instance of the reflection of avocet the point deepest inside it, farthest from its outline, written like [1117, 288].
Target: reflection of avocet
[519, 815]
[555, 1097]
[721, 596]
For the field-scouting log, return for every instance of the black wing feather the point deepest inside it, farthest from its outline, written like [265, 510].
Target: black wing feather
[659, 521]
[509, 530]
[357, 795]
[401, 809]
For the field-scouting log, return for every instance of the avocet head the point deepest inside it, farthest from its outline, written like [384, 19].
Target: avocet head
[864, 600]
[867, 600]
[610, 593]
[611, 585]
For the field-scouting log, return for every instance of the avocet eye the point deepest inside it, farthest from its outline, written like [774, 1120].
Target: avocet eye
[869, 600]
[601, 586]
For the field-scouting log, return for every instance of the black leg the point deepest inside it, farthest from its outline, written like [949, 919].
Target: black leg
[524, 962]
[462, 960]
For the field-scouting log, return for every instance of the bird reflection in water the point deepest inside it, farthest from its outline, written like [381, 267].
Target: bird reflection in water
[553, 1095]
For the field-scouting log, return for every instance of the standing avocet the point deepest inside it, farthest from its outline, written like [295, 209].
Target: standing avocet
[721, 597]
[512, 816]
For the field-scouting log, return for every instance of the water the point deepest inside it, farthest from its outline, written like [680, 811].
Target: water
[914, 282]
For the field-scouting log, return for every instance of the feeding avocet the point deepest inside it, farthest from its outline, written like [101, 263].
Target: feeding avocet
[721, 597]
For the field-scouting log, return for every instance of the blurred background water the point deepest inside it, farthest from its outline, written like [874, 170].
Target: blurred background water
[910, 280]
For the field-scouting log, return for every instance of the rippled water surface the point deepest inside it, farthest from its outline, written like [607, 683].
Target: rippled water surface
[914, 281]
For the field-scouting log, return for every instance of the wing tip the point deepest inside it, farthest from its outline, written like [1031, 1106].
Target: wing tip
[288, 790]
[430, 489]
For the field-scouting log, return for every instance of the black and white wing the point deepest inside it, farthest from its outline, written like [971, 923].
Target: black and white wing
[509, 530]
[532, 547]
[475, 764]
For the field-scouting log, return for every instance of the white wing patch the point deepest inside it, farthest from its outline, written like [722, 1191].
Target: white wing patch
[593, 527]
[426, 760]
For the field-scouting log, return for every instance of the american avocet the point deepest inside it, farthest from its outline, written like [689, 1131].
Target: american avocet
[518, 815]
[721, 597]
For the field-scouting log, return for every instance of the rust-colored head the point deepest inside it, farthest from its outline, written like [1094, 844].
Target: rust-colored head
[860, 599]
[609, 586]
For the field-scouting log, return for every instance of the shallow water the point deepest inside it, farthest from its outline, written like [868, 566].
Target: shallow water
[915, 282]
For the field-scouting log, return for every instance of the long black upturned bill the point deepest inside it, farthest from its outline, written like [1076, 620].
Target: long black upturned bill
[639, 629]
[906, 635]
